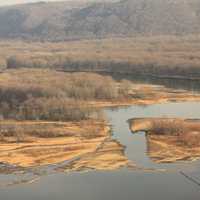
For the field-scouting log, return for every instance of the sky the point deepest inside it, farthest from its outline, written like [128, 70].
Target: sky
[11, 2]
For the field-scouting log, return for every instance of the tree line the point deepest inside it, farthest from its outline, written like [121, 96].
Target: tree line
[51, 95]
[64, 63]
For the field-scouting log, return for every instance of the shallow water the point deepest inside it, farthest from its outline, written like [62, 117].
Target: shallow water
[123, 183]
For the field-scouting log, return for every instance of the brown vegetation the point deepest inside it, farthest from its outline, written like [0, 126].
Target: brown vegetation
[169, 149]
[160, 56]
[110, 156]
[56, 96]
[43, 94]
[170, 140]
[41, 143]
[26, 131]
[174, 127]
[186, 132]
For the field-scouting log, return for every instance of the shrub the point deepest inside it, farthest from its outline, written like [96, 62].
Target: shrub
[54, 109]
[172, 127]
[191, 139]
[50, 95]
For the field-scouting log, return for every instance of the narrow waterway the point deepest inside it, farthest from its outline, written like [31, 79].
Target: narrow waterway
[136, 146]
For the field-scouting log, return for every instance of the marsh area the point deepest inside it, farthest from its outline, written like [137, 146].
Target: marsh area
[113, 166]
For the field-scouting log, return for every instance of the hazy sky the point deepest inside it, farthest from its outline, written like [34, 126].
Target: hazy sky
[10, 2]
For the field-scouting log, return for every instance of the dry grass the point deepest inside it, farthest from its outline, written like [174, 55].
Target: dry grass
[50, 142]
[186, 133]
[38, 94]
[172, 127]
[177, 131]
[27, 131]
[191, 139]
[164, 55]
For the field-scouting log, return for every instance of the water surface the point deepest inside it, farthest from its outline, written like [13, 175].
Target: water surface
[123, 183]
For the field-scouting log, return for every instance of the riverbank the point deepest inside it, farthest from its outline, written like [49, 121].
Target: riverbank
[147, 94]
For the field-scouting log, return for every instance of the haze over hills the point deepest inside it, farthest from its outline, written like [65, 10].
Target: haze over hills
[77, 20]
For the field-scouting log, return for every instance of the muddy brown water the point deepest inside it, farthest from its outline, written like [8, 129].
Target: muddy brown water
[155, 182]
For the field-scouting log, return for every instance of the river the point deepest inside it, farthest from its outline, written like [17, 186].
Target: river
[156, 181]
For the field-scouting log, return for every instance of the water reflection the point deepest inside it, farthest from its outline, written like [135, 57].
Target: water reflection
[187, 84]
